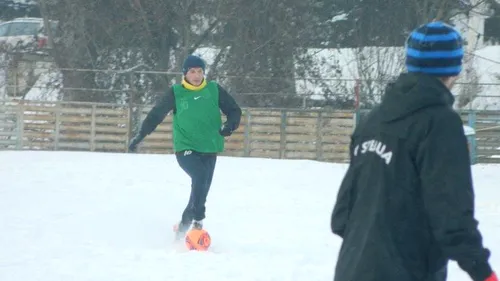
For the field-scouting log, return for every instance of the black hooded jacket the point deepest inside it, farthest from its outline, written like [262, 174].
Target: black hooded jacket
[406, 204]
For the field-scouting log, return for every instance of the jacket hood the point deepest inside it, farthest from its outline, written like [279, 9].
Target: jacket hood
[412, 92]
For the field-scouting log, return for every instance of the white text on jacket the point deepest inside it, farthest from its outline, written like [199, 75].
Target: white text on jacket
[377, 147]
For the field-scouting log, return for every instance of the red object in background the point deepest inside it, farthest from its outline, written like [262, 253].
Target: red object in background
[42, 41]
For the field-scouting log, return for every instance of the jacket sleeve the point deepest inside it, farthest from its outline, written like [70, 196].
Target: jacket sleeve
[448, 197]
[230, 108]
[343, 204]
[158, 113]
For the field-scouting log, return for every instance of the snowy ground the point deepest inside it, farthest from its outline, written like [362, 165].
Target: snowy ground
[95, 216]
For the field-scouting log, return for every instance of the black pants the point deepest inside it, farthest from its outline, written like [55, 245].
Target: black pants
[200, 167]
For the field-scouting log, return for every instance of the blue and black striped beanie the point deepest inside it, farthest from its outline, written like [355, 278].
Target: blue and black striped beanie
[435, 48]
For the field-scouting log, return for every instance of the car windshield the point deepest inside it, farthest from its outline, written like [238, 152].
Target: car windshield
[24, 28]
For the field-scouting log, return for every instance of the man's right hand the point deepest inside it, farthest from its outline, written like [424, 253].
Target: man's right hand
[134, 142]
[493, 277]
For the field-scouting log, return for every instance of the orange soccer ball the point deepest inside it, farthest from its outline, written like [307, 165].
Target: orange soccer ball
[198, 240]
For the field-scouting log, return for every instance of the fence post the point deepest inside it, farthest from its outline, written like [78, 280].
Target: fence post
[129, 127]
[283, 135]
[139, 118]
[248, 123]
[93, 129]
[319, 137]
[357, 102]
[355, 119]
[20, 126]
[58, 126]
[472, 139]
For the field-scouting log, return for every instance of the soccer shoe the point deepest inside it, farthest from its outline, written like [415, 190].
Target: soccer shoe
[180, 230]
[197, 224]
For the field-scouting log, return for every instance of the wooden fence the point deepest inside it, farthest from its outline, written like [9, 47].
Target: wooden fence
[269, 133]
[486, 144]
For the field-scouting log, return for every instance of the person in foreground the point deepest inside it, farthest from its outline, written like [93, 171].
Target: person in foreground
[406, 204]
[198, 132]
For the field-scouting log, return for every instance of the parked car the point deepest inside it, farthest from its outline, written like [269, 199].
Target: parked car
[25, 34]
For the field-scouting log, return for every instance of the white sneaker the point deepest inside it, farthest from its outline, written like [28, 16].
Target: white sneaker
[198, 224]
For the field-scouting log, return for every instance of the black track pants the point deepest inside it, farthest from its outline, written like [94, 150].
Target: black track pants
[200, 167]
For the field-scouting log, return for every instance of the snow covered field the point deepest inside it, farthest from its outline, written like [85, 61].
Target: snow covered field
[95, 216]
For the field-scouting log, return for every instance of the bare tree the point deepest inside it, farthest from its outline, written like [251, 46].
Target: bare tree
[375, 67]
[109, 35]
[428, 10]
